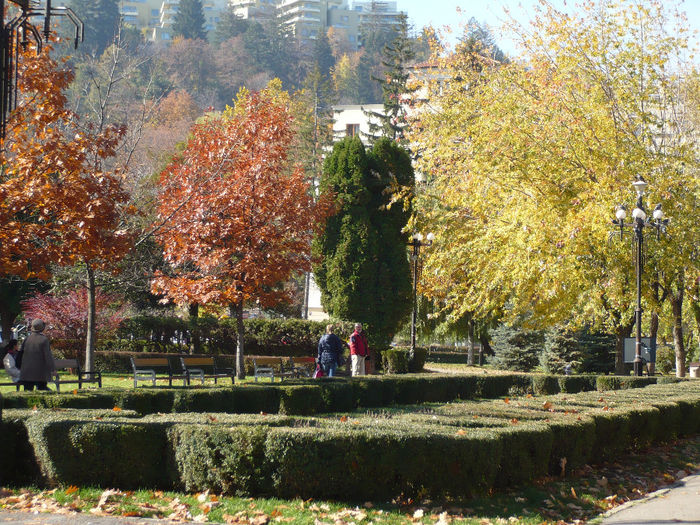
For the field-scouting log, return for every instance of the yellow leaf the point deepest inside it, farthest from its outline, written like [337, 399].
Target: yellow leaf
[116, 409]
[72, 489]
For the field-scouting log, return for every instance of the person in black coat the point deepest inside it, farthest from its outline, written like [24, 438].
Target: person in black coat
[330, 351]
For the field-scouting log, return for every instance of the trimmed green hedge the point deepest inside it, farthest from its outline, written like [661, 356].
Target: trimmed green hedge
[169, 334]
[305, 397]
[457, 449]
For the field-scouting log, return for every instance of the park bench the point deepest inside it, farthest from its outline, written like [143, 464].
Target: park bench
[268, 366]
[152, 368]
[302, 366]
[204, 368]
[10, 383]
[82, 377]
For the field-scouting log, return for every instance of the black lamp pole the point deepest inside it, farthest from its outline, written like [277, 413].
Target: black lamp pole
[416, 243]
[639, 237]
[639, 221]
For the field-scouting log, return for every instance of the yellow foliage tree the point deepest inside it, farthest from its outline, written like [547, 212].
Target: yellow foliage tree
[528, 160]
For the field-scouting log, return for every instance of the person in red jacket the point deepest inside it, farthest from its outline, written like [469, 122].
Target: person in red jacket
[359, 351]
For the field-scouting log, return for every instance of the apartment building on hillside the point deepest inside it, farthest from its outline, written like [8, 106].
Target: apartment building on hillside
[303, 18]
[155, 17]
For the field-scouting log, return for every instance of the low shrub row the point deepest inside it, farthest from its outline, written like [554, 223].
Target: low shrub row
[444, 450]
[305, 397]
[398, 360]
[283, 337]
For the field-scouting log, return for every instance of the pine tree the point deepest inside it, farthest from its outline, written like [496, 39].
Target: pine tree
[229, 26]
[516, 348]
[363, 270]
[562, 349]
[395, 89]
[189, 20]
[323, 54]
[101, 19]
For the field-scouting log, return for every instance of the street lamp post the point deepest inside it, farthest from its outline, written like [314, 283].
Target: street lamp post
[416, 243]
[639, 221]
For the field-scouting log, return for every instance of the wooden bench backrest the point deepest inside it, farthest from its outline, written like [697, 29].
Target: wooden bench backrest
[150, 361]
[198, 361]
[267, 361]
[304, 360]
[66, 363]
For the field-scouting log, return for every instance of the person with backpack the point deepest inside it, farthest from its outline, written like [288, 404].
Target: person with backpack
[10, 360]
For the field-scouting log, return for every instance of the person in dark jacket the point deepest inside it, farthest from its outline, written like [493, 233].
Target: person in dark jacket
[359, 351]
[330, 351]
[37, 361]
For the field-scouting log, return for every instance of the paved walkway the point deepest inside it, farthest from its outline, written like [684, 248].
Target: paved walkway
[679, 503]
[27, 518]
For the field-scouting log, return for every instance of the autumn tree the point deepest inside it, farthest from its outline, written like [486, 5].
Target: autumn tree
[238, 219]
[528, 161]
[363, 271]
[60, 203]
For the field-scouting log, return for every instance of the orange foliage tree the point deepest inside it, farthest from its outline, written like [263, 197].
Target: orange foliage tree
[238, 218]
[58, 204]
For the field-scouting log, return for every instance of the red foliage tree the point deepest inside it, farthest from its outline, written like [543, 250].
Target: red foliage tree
[239, 217]
[58, 203]
[66, 315]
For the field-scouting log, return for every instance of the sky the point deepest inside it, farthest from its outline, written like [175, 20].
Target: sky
[444, 12]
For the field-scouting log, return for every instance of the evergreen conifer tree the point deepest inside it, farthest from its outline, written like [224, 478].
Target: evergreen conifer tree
[229, 26]
[363, 270]
[323, 54]
[189, 20]
[562, 348]
[101, 19]
[516, 348]
[396, 56]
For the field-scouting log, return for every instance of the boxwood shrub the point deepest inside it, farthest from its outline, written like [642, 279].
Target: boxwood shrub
[458, 449]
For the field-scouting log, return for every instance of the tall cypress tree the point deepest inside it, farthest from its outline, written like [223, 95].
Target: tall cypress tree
[189, 20]
[364, 273]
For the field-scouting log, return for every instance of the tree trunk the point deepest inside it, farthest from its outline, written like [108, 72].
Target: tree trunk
[195, 341]
[678, 343]
[91, 322]
[621, 332]
[470, 343]
[236, 310]
[7, 321]
[653, 331]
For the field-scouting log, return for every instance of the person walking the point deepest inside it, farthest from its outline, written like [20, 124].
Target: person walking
[37, 361]
[330, 351]
[359, 351]
[9, 360]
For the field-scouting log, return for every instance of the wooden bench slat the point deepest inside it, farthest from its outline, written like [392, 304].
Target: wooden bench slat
[198, 361]
[151, 361]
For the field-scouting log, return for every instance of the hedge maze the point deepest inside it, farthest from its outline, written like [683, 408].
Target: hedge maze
[368, 439]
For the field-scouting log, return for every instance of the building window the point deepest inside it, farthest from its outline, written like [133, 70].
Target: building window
[352, 130]
[344, 18]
